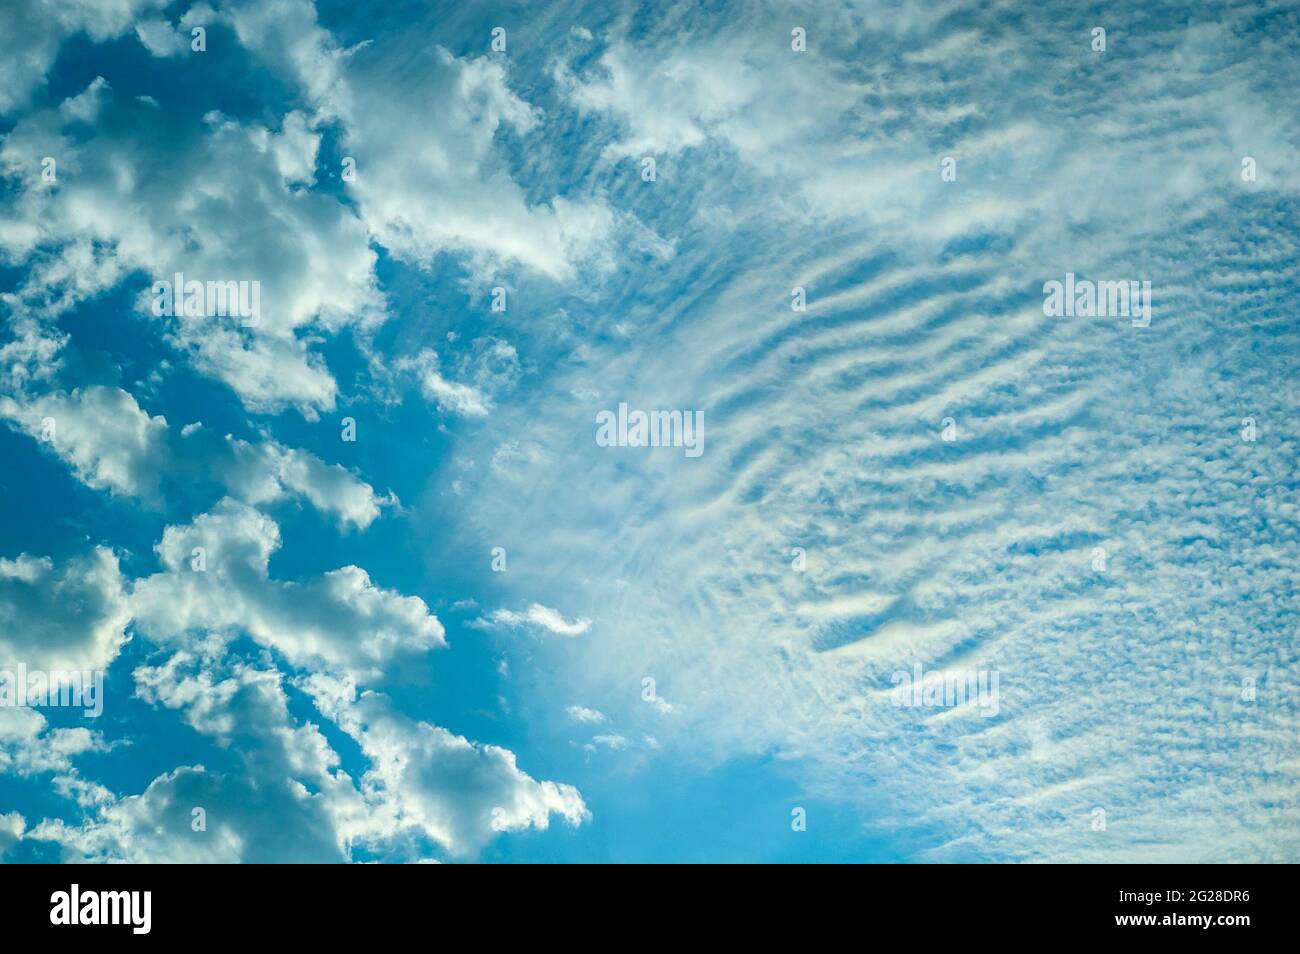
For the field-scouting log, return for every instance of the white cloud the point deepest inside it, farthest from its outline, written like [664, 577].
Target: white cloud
[822, 134]
[971, 554]
[339, 620]
[230, 207]
[436, 186]
[456, 792]
[161, 38]
[422, 783]
[289, 798]
[491, 368]
[62, 617]
[667, 104]
[31, 33]
[30, 747]
[164, 39]
[551, 620]
[448, 395]
[286, 799]
[12, 826]
[101, 432]
[267, 471]
[112, 443]
[583, 714]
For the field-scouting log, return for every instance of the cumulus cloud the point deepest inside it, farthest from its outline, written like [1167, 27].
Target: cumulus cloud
[341, 619]
[426, 789]
[29, 747]
[112, 443]
[69, 616]
[287, 799]
[263, 824]
[12, 826]
[101, 432]
[267, 471]
[439, 187]
[455, 792]
[309, 252]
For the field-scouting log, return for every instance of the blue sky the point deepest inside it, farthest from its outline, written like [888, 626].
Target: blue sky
[919, 466]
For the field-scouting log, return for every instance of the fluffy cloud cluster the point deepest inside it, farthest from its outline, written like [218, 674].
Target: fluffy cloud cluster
[262, 811]
[425, 789]
[289, 797]
[62, 617]
[226, 202]
[112, 443]
[216, 578]
[30, 746]
[137, 193]
[422, 777]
